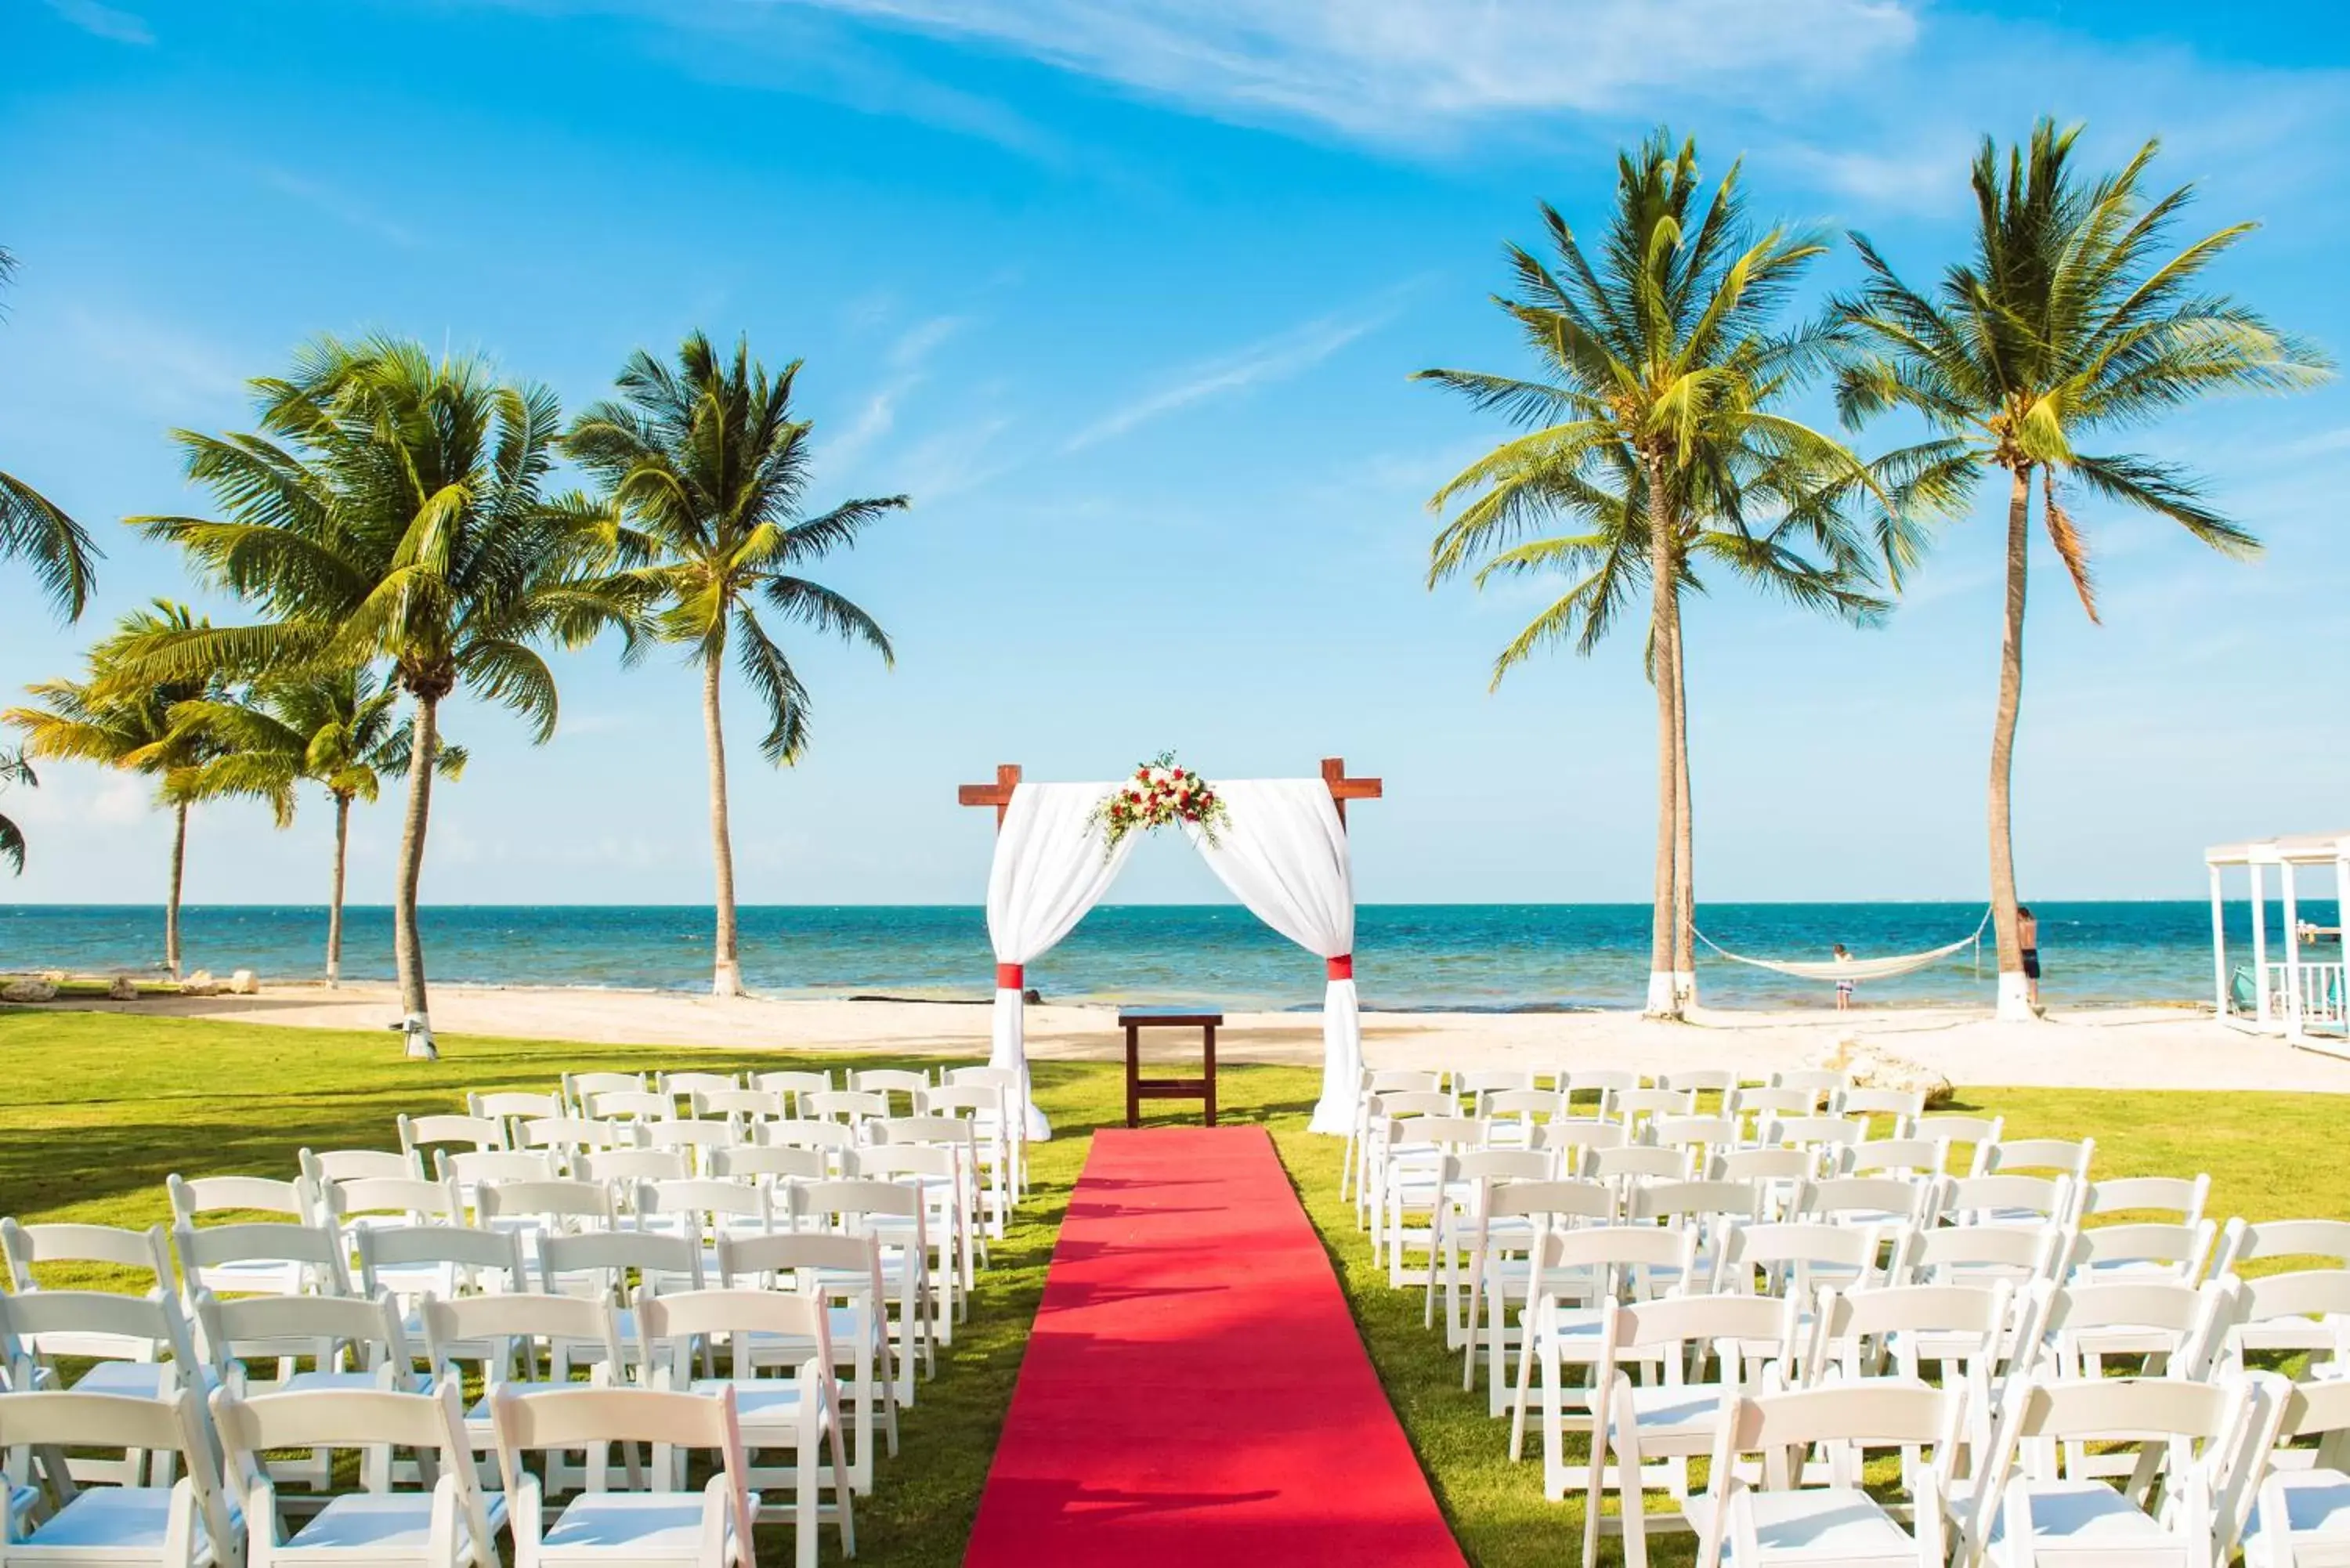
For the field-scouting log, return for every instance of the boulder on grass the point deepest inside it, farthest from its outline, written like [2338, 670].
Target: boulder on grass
[201, 984]
[29, 990]
[1875, 1067]
[124, 989]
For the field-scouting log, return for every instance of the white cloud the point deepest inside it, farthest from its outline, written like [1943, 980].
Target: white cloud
[907, 358]
[171, 372]
[1399, 69]
[104, 21]
[341, 207]
[1274, 358]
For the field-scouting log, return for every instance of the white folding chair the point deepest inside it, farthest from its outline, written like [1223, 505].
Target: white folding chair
[792, 1084]
[647, 1529]
[131, 1347]
[888, 1081]
[895, 1217]
[1704, 1350]
[452, 1525]
[142, 1254]
[184, 1524]
[1467, 1180]
[2297, 1514]
[527, 1341]
[799, 1413]
[1766, 1517]
[2025, 1507]
[359, 1164]
[935, 1176]
[472, 1134]
[1517, 1215]
[844, 1272]
[2270, 1240]
[2307, 1311]
[1579, 1277]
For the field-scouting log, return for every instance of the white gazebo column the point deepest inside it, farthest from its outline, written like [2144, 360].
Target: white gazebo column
[2260, 942]
[2292, 952]
[2219, 945]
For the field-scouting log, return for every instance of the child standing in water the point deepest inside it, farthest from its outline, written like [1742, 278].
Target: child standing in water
[1844, 987]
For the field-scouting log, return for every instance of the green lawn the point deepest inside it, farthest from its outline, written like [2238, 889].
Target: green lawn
[96, 1109]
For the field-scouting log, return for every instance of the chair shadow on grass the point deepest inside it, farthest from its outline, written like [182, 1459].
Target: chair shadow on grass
[1028, 1497]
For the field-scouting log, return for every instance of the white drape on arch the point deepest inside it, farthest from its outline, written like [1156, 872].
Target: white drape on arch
[1284, 853]
[1050, 868]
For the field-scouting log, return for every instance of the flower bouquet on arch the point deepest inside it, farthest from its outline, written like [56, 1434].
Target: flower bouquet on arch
[1162, 794]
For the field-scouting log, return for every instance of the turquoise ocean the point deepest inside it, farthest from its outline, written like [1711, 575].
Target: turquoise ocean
[1496, 957]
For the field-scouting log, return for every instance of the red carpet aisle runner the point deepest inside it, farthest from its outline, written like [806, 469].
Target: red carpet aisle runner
[1195, 1391]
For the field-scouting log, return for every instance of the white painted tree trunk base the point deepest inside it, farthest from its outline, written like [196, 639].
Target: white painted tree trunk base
[419, 1029]
[1685, 986]
[1662, 994]
[728, 980]
[2015, 1000]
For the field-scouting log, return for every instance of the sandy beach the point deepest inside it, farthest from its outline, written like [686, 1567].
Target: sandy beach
[2146, 1047]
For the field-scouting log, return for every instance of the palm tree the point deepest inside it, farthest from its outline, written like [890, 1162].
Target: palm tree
[341, 731]
[1653, 426]
[390, 508]
[37, 531]
[15, 770]
[2069, 320]
[125, 723]
[704, 471]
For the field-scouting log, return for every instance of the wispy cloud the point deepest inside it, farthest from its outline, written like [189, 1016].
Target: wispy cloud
[104, 21]
[1396, 70]
[341, 206]
[172, 373]
[1273, 359]
[908, 360]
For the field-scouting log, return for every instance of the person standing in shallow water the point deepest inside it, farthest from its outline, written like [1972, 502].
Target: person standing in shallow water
[1844, 986]
[2027, 937]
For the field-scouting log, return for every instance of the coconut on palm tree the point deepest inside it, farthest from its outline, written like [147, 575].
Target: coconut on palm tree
[37, 531]
[390, 509]
[2074, 317]
[1653, 429]
[706, 473]
[342, 731]
[126, 725]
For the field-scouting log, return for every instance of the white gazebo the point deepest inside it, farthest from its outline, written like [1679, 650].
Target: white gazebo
[2300, 995]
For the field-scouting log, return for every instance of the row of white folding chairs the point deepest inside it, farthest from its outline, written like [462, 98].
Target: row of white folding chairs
[1406, 1145]
[1413, 1121]
[913, 1196]
[585, 1316]
[463, 1145]
[1990, 1478]
[451, 1521]
[1644, 1349]
[1421, 1193]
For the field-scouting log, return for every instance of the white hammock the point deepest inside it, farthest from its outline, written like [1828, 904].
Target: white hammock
[1853, 969]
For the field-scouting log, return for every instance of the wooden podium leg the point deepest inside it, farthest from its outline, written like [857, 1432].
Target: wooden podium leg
[1210, 1085]
[1133, 1077]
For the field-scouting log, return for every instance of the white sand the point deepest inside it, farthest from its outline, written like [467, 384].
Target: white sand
[2144, 1048]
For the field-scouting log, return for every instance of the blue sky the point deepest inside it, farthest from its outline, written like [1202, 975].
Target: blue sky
[1124, 292]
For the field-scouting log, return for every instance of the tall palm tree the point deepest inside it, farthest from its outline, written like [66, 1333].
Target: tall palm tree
[125, 723]
[1653, 426]
[705, 471]
[2072, 318]
[15, 770]
[37, 531]
[390, 508]
[341, 731]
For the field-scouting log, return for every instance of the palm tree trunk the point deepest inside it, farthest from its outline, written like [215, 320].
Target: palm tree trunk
[1663, 1000]
[407, 942]
[2014, 996]
[1684, 845]
[334, 907]
[178, 871]
[726, 979]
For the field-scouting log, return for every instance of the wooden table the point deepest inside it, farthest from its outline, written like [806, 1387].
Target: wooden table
[1134, 1021]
